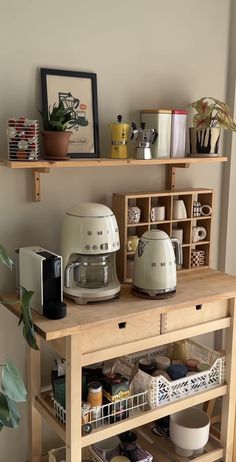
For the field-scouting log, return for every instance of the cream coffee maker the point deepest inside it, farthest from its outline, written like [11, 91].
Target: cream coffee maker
[89, 242]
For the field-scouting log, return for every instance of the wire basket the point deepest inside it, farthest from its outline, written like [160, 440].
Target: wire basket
[111, 412]
[162, 391]
[23, 139]
[57, 455]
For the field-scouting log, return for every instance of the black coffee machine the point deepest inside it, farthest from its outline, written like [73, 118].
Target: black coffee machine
[41, 272]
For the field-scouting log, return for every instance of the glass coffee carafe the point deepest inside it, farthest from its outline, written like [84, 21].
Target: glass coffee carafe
[91, 271]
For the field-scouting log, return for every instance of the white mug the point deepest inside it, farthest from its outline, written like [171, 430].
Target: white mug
[134, 214]
[158, 213]
[198, 233]
[206, 210]
[178, 233]
[179, 209]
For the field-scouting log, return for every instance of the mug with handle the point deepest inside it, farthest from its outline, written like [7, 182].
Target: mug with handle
[158, 213]
[132, 243]
[198, 233]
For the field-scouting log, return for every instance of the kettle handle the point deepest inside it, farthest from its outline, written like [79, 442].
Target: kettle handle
[178, 250]
[134, 129]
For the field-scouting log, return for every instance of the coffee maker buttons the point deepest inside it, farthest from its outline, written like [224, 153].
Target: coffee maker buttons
[104, 246]
[94, 247]
[87, 247]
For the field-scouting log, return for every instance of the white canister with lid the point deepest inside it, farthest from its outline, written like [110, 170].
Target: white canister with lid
[160, 119]
[178, 133]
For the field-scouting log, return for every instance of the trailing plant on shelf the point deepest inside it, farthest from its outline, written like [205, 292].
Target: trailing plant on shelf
[210, 113]
[12, 386]
[56, 119]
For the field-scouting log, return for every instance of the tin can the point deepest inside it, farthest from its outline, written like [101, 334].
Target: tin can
[160, 119]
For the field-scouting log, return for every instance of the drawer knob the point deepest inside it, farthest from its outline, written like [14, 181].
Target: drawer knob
[122, 325]
[198, 307]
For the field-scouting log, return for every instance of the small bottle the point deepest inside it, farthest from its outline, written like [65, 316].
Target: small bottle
[95, 399]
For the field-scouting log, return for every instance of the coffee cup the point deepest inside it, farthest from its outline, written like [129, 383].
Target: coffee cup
[178, 233]
[179, 209]
[134, 214]
[158, 213]
[198, 233]
[206, 210]
[132, 243]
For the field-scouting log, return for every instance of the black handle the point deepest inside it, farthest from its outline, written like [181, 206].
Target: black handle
[155, 136]
[119, 118]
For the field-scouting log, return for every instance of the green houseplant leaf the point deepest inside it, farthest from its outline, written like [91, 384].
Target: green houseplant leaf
[4, 257]
[26, 318]
[14, 416]
[211, 112]
[12, 383]
[4, 408]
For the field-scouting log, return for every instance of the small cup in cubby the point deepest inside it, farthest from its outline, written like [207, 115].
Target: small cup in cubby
[200, 255]
[138, 210]
[201, 229]
[182, 207]
[202, 205]
[160, 208]
[185, 226]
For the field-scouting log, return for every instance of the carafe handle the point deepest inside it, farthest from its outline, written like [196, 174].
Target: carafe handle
[178, 250]
[68, 269]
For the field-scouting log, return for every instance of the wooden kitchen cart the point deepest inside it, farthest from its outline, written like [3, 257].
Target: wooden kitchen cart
[204, 302]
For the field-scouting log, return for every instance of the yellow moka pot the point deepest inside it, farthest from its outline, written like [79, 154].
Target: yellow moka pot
[119, 138]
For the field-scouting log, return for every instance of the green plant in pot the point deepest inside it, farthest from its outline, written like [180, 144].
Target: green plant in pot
[12, 389]
[55, 136]
[211, 115]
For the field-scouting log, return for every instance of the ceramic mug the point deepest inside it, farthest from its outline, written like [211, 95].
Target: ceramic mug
[201, 210]
[206, 210]
[134, 214]
[178, 233]
[198, 233]
[132, 243]
[179, 209]
[158, 213]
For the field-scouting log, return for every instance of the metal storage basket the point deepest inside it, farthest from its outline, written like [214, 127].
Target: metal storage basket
[162, 391]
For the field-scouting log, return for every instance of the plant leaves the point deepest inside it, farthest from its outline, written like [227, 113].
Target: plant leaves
[212, 113]
[14, 416]
[4, 408]
[12, 383]
[26, 318]
[4, 257]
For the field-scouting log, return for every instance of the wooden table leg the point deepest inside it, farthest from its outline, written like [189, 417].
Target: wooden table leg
[73, 398]
[228, 408]
[34, 389]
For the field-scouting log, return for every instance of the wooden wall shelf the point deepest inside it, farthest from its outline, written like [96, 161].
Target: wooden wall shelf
[44, 166]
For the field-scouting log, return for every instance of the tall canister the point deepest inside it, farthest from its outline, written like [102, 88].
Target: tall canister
[160, 119]
[178, 133]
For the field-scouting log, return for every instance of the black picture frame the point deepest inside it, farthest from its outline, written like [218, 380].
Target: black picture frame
[69, 87]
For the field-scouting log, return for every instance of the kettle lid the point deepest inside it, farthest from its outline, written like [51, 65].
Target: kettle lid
[155, 235]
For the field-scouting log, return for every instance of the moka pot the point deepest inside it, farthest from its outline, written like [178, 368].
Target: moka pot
[144, 140]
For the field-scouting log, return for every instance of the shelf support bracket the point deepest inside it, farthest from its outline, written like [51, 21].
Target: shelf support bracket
[171, 174]
[37, 186]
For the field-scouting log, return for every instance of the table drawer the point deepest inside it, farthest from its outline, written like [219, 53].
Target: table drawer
[193, 315]
[123, 331]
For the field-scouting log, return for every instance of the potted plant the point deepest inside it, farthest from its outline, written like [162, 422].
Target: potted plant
[211, 115]
[55, 136]
[12, 389]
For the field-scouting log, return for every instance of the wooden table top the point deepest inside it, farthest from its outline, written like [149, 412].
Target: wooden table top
[195, 287]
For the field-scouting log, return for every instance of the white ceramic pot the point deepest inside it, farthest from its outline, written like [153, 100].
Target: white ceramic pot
[189, 431]
[108, 448]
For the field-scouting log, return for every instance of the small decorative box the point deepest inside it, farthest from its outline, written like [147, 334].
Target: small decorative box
[23, 139]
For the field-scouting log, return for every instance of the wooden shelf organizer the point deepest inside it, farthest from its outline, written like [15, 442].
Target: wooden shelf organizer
[45, 166]
[145, 201]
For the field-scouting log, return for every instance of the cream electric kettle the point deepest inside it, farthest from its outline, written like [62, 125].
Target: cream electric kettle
[154, 273]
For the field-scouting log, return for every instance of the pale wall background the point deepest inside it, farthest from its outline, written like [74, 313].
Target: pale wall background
[145, 54]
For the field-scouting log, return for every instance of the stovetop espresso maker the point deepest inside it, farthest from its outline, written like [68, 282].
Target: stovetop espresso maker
[144, 139]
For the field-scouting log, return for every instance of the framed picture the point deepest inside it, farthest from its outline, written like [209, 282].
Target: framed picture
[78, 93]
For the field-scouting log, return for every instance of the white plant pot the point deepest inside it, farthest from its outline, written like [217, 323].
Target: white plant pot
[189, 431]
[204, 142]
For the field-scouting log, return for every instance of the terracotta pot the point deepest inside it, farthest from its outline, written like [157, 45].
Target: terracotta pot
[204, 142]
[56, 144]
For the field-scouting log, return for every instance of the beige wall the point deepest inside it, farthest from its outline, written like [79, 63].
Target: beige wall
[145, 54]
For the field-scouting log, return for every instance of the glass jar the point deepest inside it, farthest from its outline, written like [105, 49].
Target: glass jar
[93, 271]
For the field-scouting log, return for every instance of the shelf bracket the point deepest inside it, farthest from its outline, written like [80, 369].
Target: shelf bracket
[171, 174]
[37, 186]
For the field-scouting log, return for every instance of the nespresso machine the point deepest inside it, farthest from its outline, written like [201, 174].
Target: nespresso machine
[40, 271]
[89, 242]
[144, 139]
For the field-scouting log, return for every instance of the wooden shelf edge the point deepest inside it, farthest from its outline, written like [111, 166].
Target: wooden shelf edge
[44, 406]
[107, 162]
